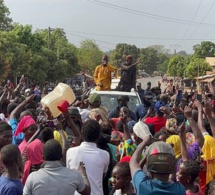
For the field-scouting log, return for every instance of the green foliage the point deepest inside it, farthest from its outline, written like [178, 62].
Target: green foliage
[149, 60]
[89, 55]
[176, 66]
[197, 67]
[160, 49]
[5, 20]
[121, 51]
[25, 52]
[205, 49]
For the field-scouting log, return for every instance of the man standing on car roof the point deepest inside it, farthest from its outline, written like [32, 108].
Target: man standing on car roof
[128, 79]
[102, 75]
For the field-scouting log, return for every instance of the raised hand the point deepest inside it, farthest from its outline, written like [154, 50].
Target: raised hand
[30, 98]
[198, 105]
[188, 112]
[181, 129]
[208, 109]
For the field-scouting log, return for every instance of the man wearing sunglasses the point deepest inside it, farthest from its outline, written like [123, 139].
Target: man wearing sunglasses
[102, 75]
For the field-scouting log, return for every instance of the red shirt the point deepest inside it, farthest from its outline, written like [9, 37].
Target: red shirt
[158, 122]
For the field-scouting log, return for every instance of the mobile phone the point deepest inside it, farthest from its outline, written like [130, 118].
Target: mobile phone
[210, 95]
[179, 95]
[173, 89]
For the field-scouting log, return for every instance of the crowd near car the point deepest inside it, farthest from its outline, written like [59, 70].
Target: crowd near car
[109, 98]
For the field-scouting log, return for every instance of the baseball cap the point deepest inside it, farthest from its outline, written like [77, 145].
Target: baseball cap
[73, 110]
[160, 158]
[27, 90]
[94, 98]
[158, 105]
[141, 130]
[131, 125]
[149, 94]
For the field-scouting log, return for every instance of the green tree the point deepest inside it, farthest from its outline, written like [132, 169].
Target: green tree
[160, 49]
[197, 67]
[176, 66]
[121, 51]
[5, 20]
[205, 49]
[89, 55]
[182, 53]
[149, 60]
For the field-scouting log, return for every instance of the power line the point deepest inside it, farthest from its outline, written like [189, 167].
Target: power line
[129, 37]
[93, 39]
[208, 32]
[203, 19]
[191, 20]
[146, 14]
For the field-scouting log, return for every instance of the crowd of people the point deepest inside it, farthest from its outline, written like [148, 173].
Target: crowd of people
[165, 146]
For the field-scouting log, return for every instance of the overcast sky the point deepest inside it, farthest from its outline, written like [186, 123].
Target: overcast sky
[175, 24]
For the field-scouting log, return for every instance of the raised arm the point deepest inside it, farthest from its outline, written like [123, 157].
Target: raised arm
[18, 109]
[74, 128]
[124, 67]
[209, 117]
[4, 95]
[127, 134]
[194, 126]
[200, 116]
[184, 151]
[135, 159]
[65, 146]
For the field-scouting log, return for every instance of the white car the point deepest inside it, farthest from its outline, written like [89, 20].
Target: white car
[109, 98]
[114, 83]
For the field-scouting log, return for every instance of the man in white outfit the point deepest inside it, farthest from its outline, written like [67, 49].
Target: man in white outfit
[96, 160]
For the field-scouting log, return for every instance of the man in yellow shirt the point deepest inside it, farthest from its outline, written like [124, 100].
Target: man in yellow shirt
[102, 75]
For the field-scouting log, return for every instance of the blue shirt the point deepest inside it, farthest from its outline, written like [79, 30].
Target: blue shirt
[141, 111]
[144, 185]
[10, 186]
[141, 93]
[18, 139]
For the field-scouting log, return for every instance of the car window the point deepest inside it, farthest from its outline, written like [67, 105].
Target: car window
[110, 101]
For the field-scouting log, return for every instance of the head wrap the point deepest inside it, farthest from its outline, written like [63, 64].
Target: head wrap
[25, 122]
[171, 125]
[125, 159]
[35, 157]
[190, 138]
[175, 140]
[141, 130]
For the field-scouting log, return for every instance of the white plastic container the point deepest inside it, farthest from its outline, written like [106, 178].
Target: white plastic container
[53, 99]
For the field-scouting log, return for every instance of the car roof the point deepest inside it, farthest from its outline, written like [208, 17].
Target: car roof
[132, 93]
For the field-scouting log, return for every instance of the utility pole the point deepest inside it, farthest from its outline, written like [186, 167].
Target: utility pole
[58, 43]
[49, 36]
[175, 47]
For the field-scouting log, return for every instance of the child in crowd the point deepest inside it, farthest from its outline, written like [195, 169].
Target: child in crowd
[210, 188]
[121, 180]
[187, 174]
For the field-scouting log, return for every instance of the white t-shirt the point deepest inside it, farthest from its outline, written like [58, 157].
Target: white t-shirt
[96, 162]
[118, 192]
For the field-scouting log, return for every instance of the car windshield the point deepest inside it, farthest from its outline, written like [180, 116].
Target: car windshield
[110, 101]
